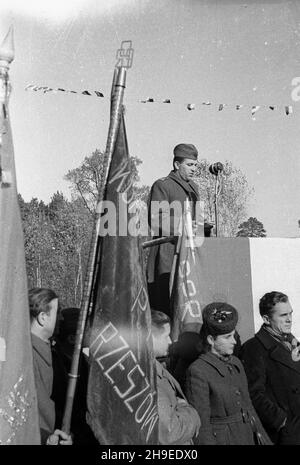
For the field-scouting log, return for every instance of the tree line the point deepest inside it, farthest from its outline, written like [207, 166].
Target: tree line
[57, 235]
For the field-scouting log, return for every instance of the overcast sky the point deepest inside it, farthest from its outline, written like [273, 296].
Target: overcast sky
[232, 52]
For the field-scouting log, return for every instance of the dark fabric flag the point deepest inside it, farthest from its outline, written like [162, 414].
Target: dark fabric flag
[19, 423]
[122, 401]
[186, 296]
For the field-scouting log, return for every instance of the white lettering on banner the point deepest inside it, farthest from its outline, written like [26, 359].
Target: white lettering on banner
[193, 308]
[188, 288]
[141, 301]
[137, 394]
[152, 419]
[184, 268]
[149, 398]
[106, 335]
[112, 332]
[139, 307]
[122, 370]
[124, 175]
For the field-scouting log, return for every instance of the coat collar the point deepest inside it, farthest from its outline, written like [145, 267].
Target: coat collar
[276, 350]
[43, 349]
[162, 373]
[189, 187]
[159, 369]
[214, 361]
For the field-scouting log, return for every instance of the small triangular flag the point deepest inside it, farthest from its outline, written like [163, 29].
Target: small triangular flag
[288, 109]
[190, 106]
[254, 109]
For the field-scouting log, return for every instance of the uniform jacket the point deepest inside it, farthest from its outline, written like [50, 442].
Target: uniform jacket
[43, 376]
[220, 396]
[170, 188]
[274, 386]
[178, 421]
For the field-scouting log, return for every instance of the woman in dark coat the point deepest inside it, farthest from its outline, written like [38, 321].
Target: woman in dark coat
[216, 384]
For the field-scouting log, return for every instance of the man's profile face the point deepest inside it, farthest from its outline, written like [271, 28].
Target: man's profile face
[187, 168]
[50, 318]
[281, 317]
[161, 340]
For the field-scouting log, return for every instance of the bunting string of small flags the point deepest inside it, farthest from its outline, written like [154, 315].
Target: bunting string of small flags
[288, 109]
[46, 89]
[254, 108]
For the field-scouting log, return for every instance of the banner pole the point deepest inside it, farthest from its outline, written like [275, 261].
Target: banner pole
[117, 93]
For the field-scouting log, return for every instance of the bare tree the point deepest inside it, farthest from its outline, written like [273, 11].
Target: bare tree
[234, 196]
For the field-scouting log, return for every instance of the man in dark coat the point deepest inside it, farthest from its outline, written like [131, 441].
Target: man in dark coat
[178, 421]
[62, 354]
[43, 306]
[272, 364]
[165, 220]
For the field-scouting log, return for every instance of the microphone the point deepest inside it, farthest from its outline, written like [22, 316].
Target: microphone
[215, 168]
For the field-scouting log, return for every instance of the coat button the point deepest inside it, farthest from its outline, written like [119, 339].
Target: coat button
[238, 392]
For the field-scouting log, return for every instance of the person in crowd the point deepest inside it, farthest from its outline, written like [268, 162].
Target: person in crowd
[186, 350]
[43, 306]
[62, 354]
[177, 187]
[178, 421]
[272, 364]
[216, 384]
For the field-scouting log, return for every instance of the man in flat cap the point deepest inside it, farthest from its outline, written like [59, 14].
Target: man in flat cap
[166, 207]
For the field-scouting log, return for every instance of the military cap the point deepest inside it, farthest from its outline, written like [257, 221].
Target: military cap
[219, 318]
[185, 151]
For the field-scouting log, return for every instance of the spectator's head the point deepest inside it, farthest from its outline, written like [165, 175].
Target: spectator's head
[218, 330]
[160, 325]
[185, 160]
[67, 329]
[43, 306]
[276, 311]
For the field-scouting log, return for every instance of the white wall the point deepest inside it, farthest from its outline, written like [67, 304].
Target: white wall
[275, 266]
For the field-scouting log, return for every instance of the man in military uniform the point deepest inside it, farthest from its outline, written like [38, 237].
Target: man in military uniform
[172, 192]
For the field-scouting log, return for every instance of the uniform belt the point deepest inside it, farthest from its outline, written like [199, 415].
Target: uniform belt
[237, 417]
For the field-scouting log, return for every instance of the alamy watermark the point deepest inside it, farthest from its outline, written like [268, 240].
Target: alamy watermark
[157, 218]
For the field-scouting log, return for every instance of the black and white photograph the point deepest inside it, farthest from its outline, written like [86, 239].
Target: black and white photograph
[149, 226]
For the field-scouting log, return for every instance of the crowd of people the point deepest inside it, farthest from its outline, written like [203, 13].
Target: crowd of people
[243, 394]
[211, 388]
[252, 398]
[205, 393]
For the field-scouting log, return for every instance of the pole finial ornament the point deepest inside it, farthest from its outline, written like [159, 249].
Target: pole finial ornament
[125, 55]
[7, 50]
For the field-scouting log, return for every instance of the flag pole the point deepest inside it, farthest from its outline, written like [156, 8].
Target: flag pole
[19, 421]
[158, 241]
[117, 93]
[6, 57]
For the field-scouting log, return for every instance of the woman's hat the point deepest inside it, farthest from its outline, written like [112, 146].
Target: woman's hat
[219, 318]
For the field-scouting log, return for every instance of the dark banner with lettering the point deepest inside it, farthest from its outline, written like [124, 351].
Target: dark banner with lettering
[186, 294]
[122, 403]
